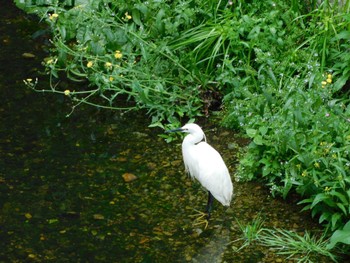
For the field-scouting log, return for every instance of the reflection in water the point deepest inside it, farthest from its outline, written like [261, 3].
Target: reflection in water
[101, 186]
[214, 250]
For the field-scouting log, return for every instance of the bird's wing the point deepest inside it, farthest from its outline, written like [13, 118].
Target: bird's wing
[207, 166]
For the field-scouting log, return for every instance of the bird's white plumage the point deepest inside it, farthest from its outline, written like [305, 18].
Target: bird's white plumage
[205, 164]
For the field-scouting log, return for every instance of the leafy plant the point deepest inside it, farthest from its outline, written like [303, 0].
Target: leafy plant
[293, 107]
[300, 248]
[250, 232]
[123, 53]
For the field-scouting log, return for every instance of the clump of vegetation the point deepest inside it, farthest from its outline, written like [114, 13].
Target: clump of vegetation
[301, 248]
[282, 68]
[304, 247]
[122, 49]
[250, 232]
[293, 105]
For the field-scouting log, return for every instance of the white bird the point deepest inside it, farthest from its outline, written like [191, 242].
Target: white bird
[205, 164]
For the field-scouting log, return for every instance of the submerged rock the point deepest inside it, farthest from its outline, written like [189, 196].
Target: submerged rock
[129, 177]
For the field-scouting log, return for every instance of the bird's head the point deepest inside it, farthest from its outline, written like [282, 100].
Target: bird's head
[192, 129]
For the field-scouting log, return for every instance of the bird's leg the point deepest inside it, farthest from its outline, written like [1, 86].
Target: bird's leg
[203, 217]
[209, 205]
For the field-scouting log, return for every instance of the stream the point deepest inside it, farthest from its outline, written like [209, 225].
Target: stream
[100, 186]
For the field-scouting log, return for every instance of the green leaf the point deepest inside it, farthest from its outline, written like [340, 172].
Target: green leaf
[318, 198]
[63, 32]
[335, 219]
[287, 186]
[340, 82]
[258, 140]
[345, 34]
[305, 208]
[263, 130]
[347, 226]
[340, 236]
[273, 30]
[305, 201]
[251, 132]
[342, 208]
[272, 75]
[324, 217]
[136, 17]
[341, 197]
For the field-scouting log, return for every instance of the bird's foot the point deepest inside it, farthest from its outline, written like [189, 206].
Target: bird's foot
[201, 218]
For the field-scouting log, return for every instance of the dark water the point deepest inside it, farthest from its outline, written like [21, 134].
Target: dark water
[63, 190]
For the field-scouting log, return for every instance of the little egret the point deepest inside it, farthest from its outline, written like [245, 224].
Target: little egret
[205, 164]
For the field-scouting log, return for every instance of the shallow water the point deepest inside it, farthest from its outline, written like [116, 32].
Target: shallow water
[63, 181]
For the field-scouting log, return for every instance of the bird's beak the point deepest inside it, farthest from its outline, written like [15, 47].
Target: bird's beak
[174, 130]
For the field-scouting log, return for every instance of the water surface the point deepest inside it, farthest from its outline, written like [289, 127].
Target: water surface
[65, 193]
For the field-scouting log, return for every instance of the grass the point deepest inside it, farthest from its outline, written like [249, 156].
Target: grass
[301, 248]
[250, 232]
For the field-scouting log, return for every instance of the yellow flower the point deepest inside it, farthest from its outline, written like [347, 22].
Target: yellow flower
[53, 16]
[89, 64]
[304, 174]
[29, 80]
[108, 65]
[324, 83]
[127, 16]
[317, 165]
[111, 78]
[118, 54]
[329, 80]
[329, 76]
[67, 92]
[327, 189]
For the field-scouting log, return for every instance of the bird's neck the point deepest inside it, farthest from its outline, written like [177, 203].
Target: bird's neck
[191, 139]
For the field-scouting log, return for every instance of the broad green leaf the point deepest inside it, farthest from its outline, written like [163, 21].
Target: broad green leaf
[347, 226]
[340, 236]
[136, 17]
[345, 34]
[341, 197]
[263, 130]
[251, 132]
[340, 82]
[318, 198]
[342, 208]
[324, 217]
[258, 140]
[335, 219]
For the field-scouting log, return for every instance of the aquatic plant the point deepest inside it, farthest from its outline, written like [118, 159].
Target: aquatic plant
[301, 248]
[250, 232]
